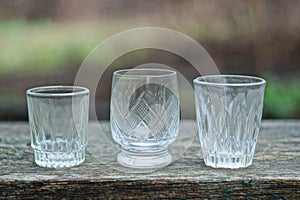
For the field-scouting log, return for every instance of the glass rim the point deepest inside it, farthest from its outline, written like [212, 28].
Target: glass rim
[45, 91]
[255, 80]
[164, 73]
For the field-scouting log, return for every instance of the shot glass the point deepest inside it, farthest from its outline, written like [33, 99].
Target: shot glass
[229, 111]
[58, 120]
[144, 116]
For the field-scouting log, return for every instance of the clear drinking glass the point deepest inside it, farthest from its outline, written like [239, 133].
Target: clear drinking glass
[144, 116]
[58, 120]
[229, 111]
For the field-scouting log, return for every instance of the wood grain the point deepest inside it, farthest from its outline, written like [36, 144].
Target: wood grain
[274, 174]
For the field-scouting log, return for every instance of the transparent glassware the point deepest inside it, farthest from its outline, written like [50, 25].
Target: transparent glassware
[229, 111]
[144, 116]
[58, 120]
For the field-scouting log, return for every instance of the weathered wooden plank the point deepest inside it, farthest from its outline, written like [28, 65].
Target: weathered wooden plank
[275, 172]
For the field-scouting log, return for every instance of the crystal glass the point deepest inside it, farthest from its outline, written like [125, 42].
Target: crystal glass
[229, 111]
[144, 116]
[58, 120]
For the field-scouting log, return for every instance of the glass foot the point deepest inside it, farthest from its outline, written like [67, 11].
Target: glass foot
[228, 161]
[59, 159]
[144, 160]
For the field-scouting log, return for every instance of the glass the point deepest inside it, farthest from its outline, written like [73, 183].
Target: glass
[229, 111]
[58, 120]
[144, 116]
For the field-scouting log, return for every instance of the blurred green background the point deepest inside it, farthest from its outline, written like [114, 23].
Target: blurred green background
[44, 42]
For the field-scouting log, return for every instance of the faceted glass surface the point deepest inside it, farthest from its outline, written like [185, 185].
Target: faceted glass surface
[229, 111]
[58, 119]
[144, 115]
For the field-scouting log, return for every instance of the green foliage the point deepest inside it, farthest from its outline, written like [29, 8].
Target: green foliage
[43, 46]
[282, 98]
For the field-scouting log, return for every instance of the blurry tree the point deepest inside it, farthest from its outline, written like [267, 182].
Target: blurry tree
[43, 42]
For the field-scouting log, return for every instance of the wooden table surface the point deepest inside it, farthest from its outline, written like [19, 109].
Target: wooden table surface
[274, 174]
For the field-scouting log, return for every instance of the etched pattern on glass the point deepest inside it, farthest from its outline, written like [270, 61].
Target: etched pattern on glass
[148, 120]
[229, 119]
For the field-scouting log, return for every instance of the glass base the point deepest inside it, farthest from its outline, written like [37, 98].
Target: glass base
[144, 160]
[228, 161]
[59, 159]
